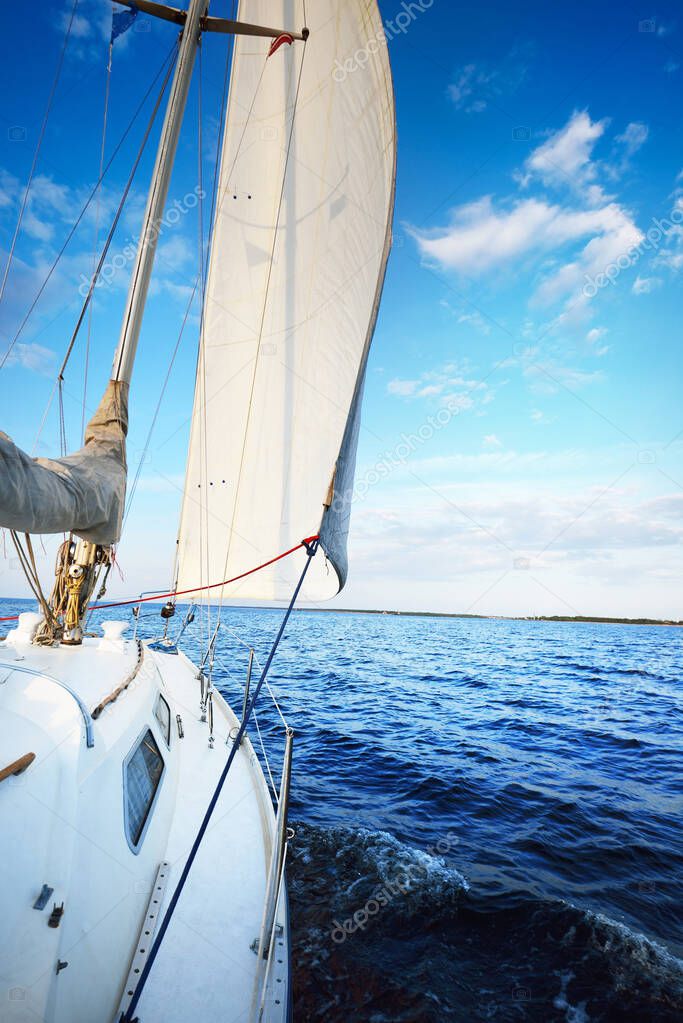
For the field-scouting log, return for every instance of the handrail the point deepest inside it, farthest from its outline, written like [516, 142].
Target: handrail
[271, 938]
[274, 883]
[17, 766]
[89, 734]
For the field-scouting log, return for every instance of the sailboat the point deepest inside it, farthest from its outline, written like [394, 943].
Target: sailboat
[143, 855]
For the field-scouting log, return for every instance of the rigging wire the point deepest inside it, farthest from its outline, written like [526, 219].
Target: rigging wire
[148, 439]
[169, 56]
[97, 230]
[128, 1016]
[276, 796]
[203, 439]
[115, 222]
[306, 543]
[214, 191]
[30, 570]
[36, 153]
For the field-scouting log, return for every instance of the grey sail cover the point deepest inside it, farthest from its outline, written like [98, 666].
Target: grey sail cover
[82, 493]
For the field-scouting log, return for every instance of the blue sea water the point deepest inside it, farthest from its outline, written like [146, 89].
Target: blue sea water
[487, 814]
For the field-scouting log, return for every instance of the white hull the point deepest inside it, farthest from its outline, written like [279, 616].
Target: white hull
[64, 824]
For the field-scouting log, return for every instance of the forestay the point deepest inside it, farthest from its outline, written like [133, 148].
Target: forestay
[300, 242]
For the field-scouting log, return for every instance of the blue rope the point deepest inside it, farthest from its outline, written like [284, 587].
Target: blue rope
[127, 1016]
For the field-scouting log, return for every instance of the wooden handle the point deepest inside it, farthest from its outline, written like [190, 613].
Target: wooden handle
[18, 766]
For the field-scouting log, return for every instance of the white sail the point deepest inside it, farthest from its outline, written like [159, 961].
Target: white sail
[300, 244]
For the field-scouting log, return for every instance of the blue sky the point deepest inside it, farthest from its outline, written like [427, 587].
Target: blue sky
[530, 308]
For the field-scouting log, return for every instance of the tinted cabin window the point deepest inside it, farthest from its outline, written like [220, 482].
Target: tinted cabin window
[162, 712]
[143, 770]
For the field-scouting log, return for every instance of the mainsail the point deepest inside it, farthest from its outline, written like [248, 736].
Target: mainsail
[300, 241]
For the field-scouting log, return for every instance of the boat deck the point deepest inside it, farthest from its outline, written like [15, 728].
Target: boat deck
[206, 960]
[63, 826]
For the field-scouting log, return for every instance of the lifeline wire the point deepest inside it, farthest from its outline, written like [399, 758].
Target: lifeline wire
[127, 1016]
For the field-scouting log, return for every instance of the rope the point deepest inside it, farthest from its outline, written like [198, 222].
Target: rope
[212, 586]
[39, 143]
[308, 543]
[127, 1016]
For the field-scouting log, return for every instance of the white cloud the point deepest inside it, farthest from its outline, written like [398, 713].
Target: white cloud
[541, 418]
[565, 157]
[593, 337]
[492, 441]
[33, 357]
[476, 320]
[644, 285]
[615, 235]
[577, 544]
[9, 189]
[176, 252]
[402, 388]
[478, 85]
[447, 384]
[548, 377]
[468, 79]
[481, 237]
[634, 136]
[81, 27]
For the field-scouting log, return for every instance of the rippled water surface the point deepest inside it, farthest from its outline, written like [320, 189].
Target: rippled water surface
[487, 813]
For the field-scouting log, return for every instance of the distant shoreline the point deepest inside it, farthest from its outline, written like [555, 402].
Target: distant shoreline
[594, 619]
[505, 618]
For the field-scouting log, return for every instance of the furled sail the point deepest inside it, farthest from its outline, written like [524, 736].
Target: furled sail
[83, 492]
[300, 242]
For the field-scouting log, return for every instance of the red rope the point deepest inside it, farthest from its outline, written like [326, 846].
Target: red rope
[194, 589]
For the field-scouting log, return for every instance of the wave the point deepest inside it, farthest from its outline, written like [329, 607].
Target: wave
[433, 949]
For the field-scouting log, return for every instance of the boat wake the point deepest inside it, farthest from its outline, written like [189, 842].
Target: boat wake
[385, 932]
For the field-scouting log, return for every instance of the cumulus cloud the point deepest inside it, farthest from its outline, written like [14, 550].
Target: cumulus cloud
[565, 157]
[577, 235]
[482, 237]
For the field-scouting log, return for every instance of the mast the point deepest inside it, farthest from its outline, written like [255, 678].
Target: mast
[124, 358]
